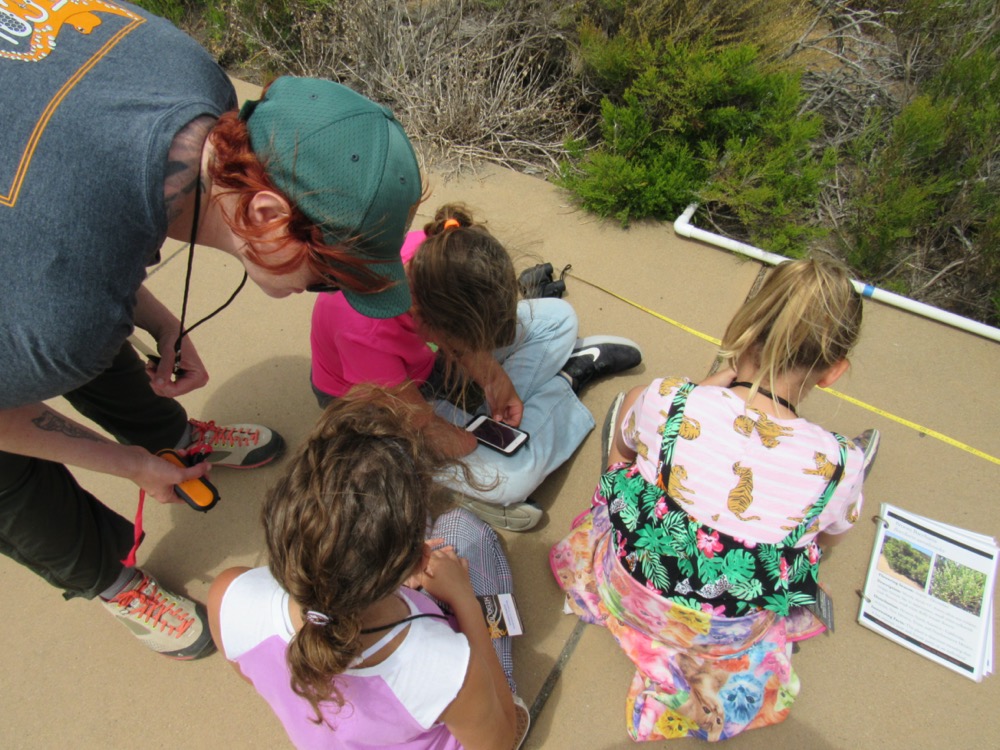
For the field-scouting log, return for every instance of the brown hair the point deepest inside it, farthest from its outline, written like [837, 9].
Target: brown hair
[236, 168]
[806, 316]
[463, 282]
[345, 526]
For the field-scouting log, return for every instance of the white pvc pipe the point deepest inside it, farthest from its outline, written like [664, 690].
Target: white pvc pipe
[683, 227]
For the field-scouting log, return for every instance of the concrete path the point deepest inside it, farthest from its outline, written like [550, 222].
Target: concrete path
[73, 678]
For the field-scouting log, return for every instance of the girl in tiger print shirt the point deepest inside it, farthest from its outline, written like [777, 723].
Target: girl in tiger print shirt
[702, 546]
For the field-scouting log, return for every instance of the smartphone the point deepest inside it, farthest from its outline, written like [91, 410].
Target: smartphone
[497, 435]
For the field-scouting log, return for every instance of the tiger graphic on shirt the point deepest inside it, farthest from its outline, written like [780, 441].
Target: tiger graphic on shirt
[766, 430]
[741, 496]
[824, 466]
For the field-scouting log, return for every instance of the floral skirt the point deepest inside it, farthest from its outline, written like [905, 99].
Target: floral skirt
[697, 674]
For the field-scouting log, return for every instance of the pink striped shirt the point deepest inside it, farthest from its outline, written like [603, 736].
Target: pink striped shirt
[740, 471]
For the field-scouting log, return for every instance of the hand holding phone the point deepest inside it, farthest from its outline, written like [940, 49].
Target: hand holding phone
[496, 435]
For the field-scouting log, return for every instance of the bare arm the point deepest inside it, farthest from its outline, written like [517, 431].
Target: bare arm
[721, 378]
[183, 173]
[40, 431]
[505, 404]
[482, 715]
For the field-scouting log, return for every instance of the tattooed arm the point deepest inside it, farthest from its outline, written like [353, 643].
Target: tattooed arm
[182, 175]
[40, 431]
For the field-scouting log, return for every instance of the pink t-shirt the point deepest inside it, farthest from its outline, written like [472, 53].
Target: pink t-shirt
[349, 348]
[740, 471]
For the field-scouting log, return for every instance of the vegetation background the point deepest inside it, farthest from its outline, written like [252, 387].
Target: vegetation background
[862, 128]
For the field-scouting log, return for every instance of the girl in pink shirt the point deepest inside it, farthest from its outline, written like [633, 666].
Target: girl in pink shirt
[493, 354]
[359, 633]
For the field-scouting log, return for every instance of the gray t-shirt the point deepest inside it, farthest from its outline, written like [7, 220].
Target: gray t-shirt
[88, 111]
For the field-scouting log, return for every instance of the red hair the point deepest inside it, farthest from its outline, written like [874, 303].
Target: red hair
[235, 167]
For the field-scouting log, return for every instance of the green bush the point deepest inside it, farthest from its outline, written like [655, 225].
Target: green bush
[958, 585]
[906, 560]
[696, 121]
[644, 106]
[924, 192]
[175, 10]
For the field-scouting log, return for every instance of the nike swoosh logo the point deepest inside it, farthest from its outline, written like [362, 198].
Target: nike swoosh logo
[593, 352]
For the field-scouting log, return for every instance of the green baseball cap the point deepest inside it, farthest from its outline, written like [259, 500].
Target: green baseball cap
[348, 165]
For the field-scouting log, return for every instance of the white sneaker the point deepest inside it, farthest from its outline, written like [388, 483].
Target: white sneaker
[513, 517]
[608, 429]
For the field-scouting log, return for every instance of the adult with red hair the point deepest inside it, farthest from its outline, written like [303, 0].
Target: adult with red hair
[115, 140]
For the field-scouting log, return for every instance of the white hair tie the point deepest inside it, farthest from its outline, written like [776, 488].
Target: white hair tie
[317, 618]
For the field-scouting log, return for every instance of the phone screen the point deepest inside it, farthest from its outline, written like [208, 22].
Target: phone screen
[497, 434]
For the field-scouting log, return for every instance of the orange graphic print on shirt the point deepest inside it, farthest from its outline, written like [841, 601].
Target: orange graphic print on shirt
[29, 28]
[741, 496]
[766, 430]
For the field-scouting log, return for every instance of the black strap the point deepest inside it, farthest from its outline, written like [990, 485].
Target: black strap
[380, 628]
[187, 279]
[767, 394]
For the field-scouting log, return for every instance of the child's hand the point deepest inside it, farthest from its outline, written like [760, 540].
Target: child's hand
[444, 574]
[505, 405]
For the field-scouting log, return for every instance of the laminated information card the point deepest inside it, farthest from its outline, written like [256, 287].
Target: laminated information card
[930, 588]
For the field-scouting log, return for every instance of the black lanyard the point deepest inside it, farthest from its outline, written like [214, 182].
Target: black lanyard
[767, 394]
[187, 280]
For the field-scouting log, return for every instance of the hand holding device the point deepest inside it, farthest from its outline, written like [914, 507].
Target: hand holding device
[497, 435]
[199, 493]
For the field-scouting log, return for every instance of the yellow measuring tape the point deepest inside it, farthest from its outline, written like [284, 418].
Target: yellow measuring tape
[851, 400]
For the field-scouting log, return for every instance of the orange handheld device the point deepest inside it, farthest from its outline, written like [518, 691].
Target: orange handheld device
[199, 493]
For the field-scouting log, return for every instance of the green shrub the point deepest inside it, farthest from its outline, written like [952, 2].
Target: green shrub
[643, 106]
[925, 200]
[906, 560]
[958, 585]
[175, 10]
[924, 186]
[696, 121]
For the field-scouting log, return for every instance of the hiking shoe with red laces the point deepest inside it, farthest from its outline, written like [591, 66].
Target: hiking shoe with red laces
[169, 624]
[238, 446]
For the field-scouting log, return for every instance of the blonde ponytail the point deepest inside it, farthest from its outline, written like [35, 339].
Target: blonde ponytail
[806, 317]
